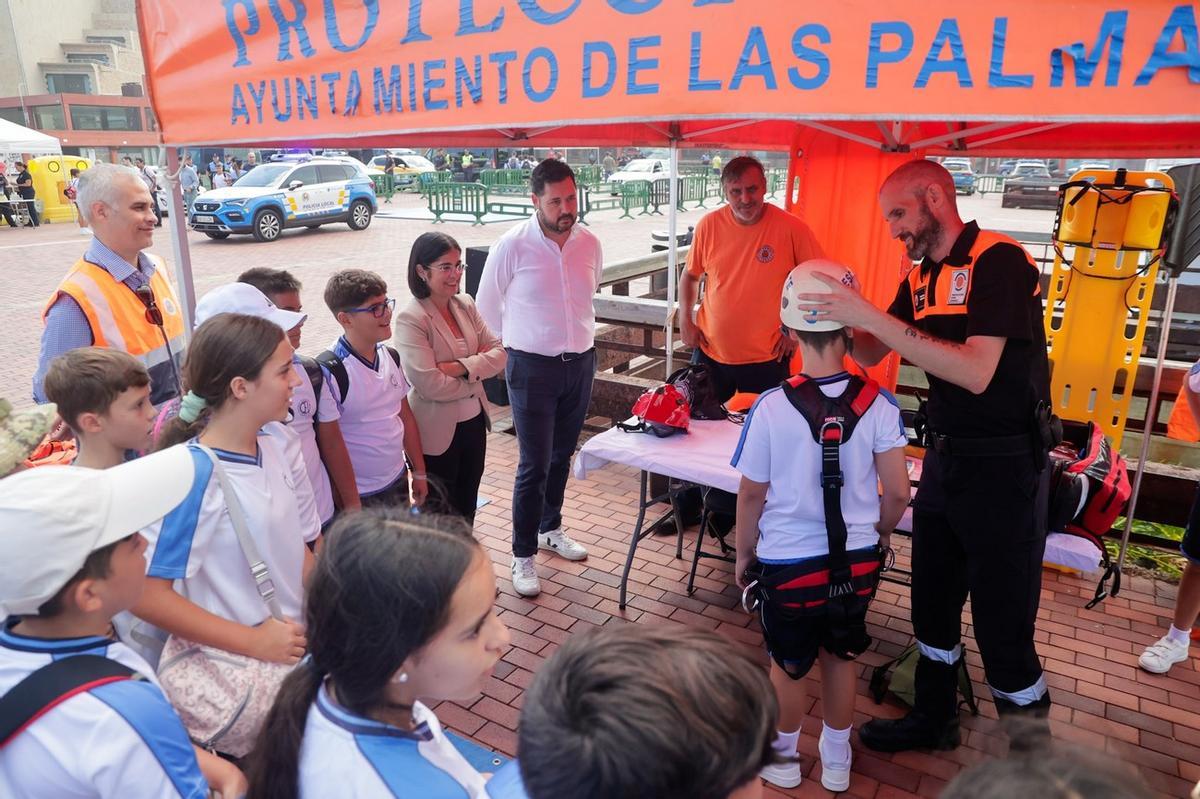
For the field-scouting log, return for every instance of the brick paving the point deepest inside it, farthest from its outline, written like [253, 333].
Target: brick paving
[1103, 700]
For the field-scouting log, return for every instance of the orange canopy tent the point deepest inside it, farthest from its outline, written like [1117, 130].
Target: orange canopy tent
[850, 87]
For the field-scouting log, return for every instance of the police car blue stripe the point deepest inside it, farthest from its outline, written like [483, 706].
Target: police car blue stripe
[405, 772]
[737, 453]
[147, 711]
[175, 538]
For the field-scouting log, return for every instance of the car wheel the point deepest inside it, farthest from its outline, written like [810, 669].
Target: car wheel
[267, 225]
[360, 215]
[218, 236]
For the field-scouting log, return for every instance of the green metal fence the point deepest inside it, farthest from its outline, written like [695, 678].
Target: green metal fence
[457, 198]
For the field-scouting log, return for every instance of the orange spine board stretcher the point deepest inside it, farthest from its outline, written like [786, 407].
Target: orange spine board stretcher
[1100, 292]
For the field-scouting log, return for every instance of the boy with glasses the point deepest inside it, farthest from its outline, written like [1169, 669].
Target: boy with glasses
[368, 385]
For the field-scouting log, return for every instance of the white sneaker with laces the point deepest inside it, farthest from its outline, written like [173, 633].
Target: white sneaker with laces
[524, 577]
[1164, 653]
[782, 775]
[835, 776]
[561, 544]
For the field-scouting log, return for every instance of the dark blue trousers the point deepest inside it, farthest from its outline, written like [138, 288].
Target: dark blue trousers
[549, 399]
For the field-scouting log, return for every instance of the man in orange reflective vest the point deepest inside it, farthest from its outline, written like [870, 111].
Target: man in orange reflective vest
[970, 315]
[117, 295]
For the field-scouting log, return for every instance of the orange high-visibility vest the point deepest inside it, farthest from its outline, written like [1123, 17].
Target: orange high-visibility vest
[1180, 424]
[949, 296]
[117, 318]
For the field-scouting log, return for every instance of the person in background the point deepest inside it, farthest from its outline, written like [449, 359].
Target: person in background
[151, 177]
[536, 293]
[103, 300]
[389, 177]
[221, 179]
[25, 191]
[744, 251]
[6, 209]
[189, 182]
[354, 718]
[447, 350]
[72, 193]
[513, 162]
[609, 163]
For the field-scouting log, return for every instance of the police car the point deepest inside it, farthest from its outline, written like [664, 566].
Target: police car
[291, 192]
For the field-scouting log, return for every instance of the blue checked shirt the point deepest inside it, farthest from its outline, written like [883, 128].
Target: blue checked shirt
[66, 326]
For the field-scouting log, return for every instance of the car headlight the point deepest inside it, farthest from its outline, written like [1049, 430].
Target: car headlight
[238, 203]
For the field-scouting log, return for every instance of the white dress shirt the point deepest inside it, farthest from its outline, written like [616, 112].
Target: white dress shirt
[538, 298]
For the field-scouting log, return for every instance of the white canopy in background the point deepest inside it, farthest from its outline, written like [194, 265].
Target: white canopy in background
[17, 139]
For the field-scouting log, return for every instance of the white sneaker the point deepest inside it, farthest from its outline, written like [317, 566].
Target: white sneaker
[524, 577]
[1160, 656]
[782, 775]
[561, 544]
[834, 776]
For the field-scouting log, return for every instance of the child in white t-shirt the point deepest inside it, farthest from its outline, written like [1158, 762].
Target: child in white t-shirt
[400, 616]
[368, 384]
[315, 414]
[239, 378]
[781, 525]
[70, 559]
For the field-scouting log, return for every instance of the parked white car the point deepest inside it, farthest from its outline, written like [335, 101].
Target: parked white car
[641, 169]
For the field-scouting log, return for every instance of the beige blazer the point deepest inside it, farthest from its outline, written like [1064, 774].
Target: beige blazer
[424, 340]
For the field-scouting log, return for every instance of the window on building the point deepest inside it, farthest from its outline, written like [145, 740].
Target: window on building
[151, 122]
[88, 58]
[101, 117]
[48, 117]
[102, 39]
[66, 83]
[13, 114]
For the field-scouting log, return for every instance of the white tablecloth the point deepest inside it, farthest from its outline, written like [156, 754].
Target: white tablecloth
[699, 456]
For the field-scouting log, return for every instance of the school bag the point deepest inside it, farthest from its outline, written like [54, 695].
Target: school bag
[902, 681]
[333, 364]
[51, 685]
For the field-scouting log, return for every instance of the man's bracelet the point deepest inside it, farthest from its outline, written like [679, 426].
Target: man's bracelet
[420, 476]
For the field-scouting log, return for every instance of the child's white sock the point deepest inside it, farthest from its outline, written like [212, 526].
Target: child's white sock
[834, 745]
[1178, 636]
[786, 743]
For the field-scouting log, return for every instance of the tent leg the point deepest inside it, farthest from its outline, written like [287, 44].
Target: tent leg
[1164, 334]
[672, 256]
[184, 284]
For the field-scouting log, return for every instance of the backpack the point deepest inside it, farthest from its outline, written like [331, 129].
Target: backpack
[1088, 491]
[333, 364]
[51, 685]
[316, 376]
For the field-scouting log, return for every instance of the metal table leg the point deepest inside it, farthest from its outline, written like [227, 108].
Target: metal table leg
[640, 531]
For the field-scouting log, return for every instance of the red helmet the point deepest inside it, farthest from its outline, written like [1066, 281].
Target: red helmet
[663, 411]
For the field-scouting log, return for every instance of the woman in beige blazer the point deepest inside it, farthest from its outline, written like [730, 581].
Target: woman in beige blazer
[446, 351]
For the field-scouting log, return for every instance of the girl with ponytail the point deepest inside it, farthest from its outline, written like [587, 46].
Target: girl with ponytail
[239, 377]
[400, 611]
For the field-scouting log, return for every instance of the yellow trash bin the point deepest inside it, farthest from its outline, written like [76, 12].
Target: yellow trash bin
[51, 174]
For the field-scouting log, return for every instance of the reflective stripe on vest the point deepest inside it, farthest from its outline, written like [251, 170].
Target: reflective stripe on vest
[117, 316]
[948, 296]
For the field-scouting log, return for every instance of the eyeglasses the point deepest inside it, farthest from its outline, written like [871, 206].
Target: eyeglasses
[446, 269]
[378, 310]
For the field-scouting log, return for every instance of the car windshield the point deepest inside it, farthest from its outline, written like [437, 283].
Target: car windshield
[417, 162]
[263, 175]
[640, 165]
[1032, 171]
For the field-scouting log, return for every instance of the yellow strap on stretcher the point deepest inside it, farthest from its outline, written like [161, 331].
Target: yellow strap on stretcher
[1108, 240]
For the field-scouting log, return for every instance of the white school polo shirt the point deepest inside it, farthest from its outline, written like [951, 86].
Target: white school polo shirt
[777, 447]
[196, 546]
[370, 416]
[350, 757]
[305, 411]
[537, 297]
[118, 740]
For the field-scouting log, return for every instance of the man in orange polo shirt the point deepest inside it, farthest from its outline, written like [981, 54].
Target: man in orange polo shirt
[744, 251]
[117, 295]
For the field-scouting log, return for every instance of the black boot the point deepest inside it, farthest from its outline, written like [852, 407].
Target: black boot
[933, 721]
[1027, 726]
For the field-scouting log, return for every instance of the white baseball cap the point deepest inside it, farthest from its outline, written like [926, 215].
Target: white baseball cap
[245, 299]
[53, 517]
[796, 313]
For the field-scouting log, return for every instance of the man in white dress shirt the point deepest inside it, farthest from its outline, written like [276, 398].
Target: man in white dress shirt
[536, 293]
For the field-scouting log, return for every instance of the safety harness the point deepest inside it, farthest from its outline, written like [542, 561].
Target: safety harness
[838, 585]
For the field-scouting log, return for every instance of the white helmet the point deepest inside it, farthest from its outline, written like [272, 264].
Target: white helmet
[794, 312]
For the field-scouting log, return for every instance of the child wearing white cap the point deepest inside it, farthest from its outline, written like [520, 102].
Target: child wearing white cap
[70, 559]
